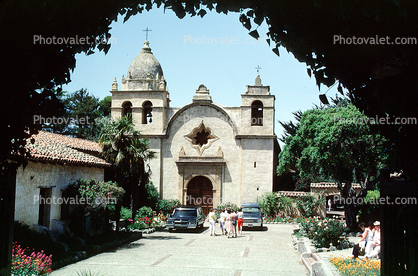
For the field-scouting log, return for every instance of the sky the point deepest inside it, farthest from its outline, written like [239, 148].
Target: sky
[215, 50]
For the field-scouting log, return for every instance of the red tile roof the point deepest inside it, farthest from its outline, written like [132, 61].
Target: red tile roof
[325, 185]
[56, 148]
[292, 193]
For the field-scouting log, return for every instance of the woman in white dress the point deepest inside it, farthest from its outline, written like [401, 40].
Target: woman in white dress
[228, 222]
[370, 237]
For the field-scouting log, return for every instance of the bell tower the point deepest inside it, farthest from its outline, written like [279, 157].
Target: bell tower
[257, 110]
[143, 93]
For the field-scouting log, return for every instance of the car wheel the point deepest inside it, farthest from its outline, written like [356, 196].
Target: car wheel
[170, 229]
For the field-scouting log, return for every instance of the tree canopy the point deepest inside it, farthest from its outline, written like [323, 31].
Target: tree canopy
[82, 115]
[335, 142]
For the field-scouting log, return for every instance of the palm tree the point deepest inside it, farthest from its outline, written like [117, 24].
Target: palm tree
[123, 146]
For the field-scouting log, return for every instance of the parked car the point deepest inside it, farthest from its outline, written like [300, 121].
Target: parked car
[186, 217]
[252, 214]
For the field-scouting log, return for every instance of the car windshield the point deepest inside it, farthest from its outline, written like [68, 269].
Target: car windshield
[251, 210]
[185, 213]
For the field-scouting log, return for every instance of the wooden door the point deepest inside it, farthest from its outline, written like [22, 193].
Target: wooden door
[199, 192]
[45, 195]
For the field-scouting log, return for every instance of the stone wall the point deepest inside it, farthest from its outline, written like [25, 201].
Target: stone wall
[36, 175]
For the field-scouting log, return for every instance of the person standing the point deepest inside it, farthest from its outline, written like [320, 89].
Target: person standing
[234, 223]
[212, 222]
[329, 204]
[240, 220]
[222, 222]
[228, 222]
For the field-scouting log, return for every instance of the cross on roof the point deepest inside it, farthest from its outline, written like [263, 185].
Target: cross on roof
[258, 69]
[146, 30]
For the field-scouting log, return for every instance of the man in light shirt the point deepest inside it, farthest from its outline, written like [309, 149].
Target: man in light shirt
[212, 222]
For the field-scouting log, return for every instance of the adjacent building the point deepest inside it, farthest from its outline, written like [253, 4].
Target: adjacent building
[55, 161]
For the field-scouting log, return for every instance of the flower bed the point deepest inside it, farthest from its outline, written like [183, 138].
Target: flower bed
[33, 264]
[144, 219]
[350, 267]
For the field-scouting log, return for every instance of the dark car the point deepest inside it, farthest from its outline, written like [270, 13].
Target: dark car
[252, 214]
[186, 217]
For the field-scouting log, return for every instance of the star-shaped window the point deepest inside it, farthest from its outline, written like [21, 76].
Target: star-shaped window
[201, 138]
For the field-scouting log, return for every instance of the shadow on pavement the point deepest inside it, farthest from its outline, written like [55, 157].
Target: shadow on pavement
[130, 246]
[127, 246]
[196, 231]
[255, 229]
[156, 237]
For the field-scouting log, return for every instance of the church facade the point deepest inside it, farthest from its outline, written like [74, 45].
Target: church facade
[206, 154]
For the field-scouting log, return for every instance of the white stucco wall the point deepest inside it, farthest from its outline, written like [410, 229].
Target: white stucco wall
[220, 127]
[256, 179]
[241, 143]
[46, 175]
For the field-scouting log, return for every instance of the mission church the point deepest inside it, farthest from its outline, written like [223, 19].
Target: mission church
[206, 154]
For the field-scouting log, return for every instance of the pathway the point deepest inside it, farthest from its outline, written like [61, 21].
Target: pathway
[267, 252]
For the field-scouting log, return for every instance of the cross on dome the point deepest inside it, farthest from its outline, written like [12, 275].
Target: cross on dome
[258, 69]
[146, 35]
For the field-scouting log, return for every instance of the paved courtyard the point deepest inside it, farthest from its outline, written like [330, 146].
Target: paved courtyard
[268, 252]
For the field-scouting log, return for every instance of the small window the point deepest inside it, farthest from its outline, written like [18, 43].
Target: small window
[127, 108]
[147, 113]
[257, 113]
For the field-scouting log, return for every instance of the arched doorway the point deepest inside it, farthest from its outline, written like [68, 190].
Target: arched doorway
[200, 192]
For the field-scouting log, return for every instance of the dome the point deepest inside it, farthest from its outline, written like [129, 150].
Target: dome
[145, 63]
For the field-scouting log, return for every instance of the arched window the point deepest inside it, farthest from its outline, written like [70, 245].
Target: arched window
[127, 108]
[257, 113]
[147, 112]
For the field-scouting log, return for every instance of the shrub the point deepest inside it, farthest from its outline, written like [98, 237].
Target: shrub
[372, 196]
[153, 196]
[285, 205]
[230, 206]
[325, 233]
[97, 193]
[369, 210]
[167, 206]
[125, 213]
[29, 265]
[269, 203]
[138, 225]
[307, 204]
[141, 223]
[144, 211]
